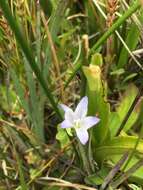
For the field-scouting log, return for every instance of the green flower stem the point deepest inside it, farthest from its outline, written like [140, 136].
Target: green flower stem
[28, 53]
[86, 164]
[122, 19]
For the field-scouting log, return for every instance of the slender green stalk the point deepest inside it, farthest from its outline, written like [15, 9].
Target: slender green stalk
[28, 53]
[38, 32]
[57, 17]
[86, 164]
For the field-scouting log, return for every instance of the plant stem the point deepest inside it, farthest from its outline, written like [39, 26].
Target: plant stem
[86, 165]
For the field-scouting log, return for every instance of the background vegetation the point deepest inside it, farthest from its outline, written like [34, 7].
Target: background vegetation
[57, 51]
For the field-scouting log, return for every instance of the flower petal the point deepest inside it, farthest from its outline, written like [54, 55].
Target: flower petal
[81, 109]
[82, 135]
[64, 107]
[66, 124]
[69, 116]
[89, 121]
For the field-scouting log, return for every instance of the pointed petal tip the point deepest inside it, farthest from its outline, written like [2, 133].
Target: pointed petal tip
[64, 107]
[82, 108]
[84, 142]
[85, 98]
[90, 121]
[97, 119]
[82, 135]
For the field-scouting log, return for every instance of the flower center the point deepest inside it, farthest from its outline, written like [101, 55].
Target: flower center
[77, 124]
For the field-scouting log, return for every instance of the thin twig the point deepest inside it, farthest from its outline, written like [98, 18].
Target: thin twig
[63, 183]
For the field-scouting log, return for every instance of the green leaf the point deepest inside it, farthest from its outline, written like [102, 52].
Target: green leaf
[118, 146]
[131, 41]
[134, 187]
[126, 103]
[47, 6]
[97, 178]
[114, 123]
[117, 117]
[117, 72]
[129, 77]
[98, 105]
[62, 136]
[97, 59]
[35, 106]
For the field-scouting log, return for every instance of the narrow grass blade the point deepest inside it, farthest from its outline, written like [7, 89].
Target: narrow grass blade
[20, 92]
[54, 25]
[118, 146]
[21, 173]
[131, 43]
[36, 109]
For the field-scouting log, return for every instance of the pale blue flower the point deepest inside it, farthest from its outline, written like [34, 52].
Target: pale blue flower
[78, 119]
